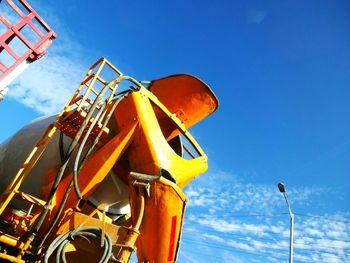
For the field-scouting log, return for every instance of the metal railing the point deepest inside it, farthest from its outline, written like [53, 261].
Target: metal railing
[24, 38]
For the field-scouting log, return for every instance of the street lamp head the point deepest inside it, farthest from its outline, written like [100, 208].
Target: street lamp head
[281, 187]
[283, 191]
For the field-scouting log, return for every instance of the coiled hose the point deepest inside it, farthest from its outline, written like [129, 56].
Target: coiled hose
[60, 244]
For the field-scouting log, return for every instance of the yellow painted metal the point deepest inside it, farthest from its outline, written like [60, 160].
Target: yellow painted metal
[96, 168]
[75, 219]
[10, 241]
[152, 151]
[88, 249]
[123, 238]
[26, 167]
[10, 258]
[146, 120]
[78, 103]
[128, 244]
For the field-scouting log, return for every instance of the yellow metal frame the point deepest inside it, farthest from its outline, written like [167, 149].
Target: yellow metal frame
[79, 104]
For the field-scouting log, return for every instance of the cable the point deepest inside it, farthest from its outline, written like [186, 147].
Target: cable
[280, 214]
[254, 215]
[80, 149]
[93, 145]
[72, 146]
[66, 194]
[238, 228]
[61, 147]
[224, 247]
[229, 248]
[60, 243]
[324, 218]
[39, 221]
[271, 239]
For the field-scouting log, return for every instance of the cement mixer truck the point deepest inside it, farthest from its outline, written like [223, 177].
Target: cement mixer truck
[104, 177]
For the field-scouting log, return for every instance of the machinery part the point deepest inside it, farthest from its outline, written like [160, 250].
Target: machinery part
[13, 153]
[3, 91]
[23, 42]
[74, 181]
[141, 145]
[59, 245]
[77, 169]
[84, 111]
[88, 118]
[162, 222]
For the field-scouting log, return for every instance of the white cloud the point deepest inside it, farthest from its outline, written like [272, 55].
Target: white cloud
[221, 225]
[314, 232]
[247, 218]
[241, 245]
[240, 197]
[213, 237]
[228, 257]
[47, 84]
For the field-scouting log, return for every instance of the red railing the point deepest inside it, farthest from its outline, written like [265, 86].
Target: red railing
[26, 39]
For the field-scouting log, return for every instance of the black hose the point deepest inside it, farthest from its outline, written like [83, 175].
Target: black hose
[59, 245]
[91, 148]
[61, 147]
[76, 169]
[65, 161]
[66, 194]
[73, 144]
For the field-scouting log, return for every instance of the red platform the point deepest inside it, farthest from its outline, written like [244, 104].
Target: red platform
[24, 37]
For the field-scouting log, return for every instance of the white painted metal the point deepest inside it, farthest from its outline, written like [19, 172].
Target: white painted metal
[10, 77]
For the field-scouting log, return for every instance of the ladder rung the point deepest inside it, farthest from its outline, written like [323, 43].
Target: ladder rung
[102, 80]
[28, 198]
[94, 91]
[76, 100]
[84, 82]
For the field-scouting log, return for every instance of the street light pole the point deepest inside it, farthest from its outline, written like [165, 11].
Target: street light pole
[291, 215]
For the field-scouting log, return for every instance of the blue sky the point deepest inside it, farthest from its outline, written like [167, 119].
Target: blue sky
[281, 70]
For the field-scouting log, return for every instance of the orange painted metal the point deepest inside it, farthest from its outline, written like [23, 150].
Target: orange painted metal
[186, 96]
[95, 169]
[88, 248]
[145, 121]
[149, 152]
[152, 151]
[160, 238]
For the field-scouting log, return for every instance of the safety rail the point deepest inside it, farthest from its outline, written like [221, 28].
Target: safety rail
[85, 116]
[24, 38]
[97, 88]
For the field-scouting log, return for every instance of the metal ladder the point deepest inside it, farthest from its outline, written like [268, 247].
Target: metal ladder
[86, 110]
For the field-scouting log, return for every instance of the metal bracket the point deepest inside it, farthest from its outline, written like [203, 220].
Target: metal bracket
[143, 180]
